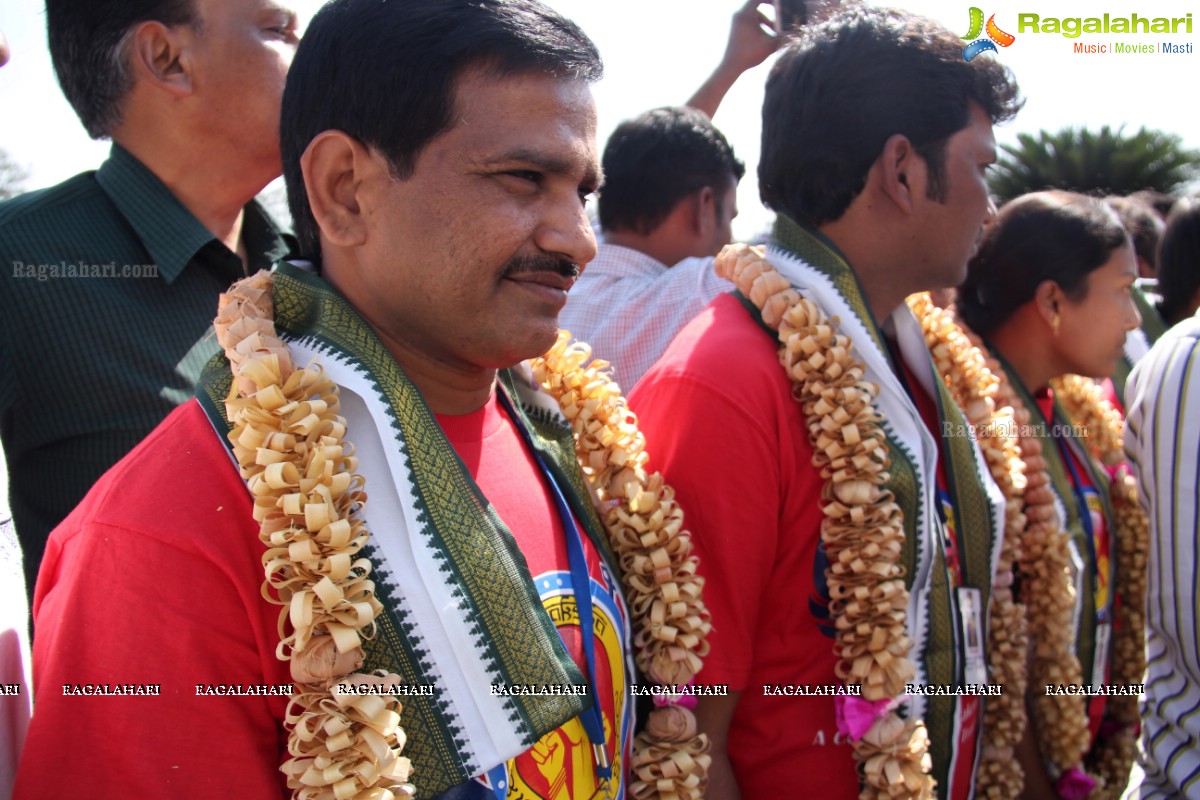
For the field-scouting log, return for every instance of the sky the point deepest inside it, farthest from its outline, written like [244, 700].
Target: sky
[657, 52]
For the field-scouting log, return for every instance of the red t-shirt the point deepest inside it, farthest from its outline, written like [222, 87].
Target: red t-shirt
[720, 422]
[155, 579]
[506, 470]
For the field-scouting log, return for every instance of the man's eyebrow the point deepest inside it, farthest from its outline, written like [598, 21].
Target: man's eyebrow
[278, 9]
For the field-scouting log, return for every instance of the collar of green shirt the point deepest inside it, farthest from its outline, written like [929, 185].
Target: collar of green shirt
[170, 233]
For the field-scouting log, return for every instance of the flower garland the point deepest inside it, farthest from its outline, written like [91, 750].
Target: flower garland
[1044, 574]
[986, 401]
[863, 528]
[645, 527]
[1116, 749]
[290, 445]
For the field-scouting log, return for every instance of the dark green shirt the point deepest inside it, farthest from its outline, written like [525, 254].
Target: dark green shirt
[108, 288]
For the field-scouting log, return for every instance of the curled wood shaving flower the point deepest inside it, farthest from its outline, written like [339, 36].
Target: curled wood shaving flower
[983, 394]
[1044, 572]
[1085, 404]
[863, 528]
[289, 444]
[645, 528]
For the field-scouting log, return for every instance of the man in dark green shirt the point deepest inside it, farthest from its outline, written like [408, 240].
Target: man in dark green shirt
[110, 278]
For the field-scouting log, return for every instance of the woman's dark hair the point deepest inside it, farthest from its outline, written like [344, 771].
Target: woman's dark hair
[1044, 236]
[1179, 261]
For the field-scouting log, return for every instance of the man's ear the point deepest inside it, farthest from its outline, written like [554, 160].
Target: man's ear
[160, 56]
[335, 166]
[901, 172]
[704, 223]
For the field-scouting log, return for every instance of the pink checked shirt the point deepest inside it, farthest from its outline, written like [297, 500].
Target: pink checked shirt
[629, 307]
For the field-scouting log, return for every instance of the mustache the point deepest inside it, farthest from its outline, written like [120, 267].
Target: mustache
[523, 265]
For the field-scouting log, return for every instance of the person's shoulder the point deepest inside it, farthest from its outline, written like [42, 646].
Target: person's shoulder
[42, 206]
[1177, 350]
[726, 348]
[1187, 329]
[179, 486]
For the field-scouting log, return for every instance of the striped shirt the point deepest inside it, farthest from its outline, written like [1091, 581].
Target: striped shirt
[108, 288]
[629, 307]
[1163, 441]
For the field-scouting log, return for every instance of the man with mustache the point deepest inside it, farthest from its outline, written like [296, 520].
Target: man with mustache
[437, 155]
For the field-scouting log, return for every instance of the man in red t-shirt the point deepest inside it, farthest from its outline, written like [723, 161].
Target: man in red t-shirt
[437, 154]
[877, 133]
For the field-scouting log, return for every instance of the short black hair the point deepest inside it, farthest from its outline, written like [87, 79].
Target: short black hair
[656, 159]
[1179, 261]
[89, 46]
[848, 84]
[386, 73]
[1058, 236]
[1142, 222]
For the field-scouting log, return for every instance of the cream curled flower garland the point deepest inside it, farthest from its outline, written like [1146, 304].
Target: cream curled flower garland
[1115, 751]
[291, 447]
[289, 443]
[863, 529]
[645, 529]
[986, 402]
[1044, 574]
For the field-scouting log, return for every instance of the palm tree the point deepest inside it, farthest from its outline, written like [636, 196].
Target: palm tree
[1107, 162]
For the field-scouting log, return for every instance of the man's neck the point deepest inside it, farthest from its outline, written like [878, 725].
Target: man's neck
[877, 272]
[446, 387]
[665, 253]
[213, 196]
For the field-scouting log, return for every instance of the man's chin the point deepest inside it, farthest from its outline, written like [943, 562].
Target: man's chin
[532, 344]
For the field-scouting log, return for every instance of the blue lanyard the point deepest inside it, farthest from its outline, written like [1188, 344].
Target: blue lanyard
[592, 718]
[1085, 513]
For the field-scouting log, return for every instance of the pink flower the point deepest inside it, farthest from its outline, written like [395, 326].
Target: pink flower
[1075, 784]
[855, 716]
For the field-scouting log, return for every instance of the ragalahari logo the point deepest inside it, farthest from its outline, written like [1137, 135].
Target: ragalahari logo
[995, 36]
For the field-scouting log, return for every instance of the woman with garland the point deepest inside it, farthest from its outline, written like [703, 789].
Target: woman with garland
[1050, 293]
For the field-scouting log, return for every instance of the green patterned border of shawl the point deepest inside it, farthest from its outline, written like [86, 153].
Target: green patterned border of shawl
[1101, 483]
[514, 636]
[1085, 642]
[976, 543]
[905, 484]
[552, 437]
[903, 480]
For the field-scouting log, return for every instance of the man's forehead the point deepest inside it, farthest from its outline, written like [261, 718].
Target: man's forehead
[481, 83]
[519, 116]
[247, 9]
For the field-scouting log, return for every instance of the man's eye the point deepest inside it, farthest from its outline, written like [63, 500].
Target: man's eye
[527, 175]
[286, 31]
